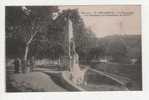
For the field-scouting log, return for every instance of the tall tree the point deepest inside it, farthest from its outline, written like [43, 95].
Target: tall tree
[28, 24]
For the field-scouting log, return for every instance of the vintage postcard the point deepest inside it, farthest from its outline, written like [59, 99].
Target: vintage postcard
[73, 48]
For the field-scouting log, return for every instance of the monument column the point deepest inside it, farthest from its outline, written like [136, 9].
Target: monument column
[75, 70]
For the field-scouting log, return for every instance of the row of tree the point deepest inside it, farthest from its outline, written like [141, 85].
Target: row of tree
[122, 48]
[41, 31]
[34, 31]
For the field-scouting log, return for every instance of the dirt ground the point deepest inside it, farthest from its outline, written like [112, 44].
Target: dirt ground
[31, 82]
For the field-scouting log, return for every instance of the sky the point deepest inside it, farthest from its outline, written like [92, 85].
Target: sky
[107, 20]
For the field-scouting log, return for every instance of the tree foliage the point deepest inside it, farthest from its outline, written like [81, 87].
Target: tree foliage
[35, 28]
[28, 24]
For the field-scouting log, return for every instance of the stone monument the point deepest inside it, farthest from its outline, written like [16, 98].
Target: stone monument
[77, 75]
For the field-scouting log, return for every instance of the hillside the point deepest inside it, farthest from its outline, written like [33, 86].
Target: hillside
[131, 42]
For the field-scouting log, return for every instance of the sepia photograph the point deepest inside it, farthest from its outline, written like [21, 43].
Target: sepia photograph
[73, 48]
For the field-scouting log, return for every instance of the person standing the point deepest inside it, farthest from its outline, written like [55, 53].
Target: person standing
[23, 66]
[32, 62]
[17, 64]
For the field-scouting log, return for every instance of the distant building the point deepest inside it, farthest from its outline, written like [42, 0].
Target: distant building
[133, 61]
[104, 59]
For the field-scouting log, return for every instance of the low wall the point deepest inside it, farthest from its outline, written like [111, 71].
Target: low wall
[69, 84]
[62, 79]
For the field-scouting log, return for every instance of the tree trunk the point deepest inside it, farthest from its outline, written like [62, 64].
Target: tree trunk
[26, 52]
[24, 63]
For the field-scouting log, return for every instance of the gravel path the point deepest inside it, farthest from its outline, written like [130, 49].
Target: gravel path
[32, 82]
